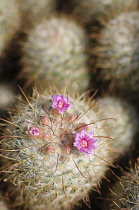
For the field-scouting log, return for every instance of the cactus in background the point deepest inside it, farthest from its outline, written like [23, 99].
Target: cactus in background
[125, 193]
[33, 10]
[55, 51]
[123, 130]
[87, 11]
[56, 149]
[9, 22]
[118, 54]
[7, 95]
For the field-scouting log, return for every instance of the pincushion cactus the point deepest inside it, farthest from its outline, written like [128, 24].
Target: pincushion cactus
[56, 149]
[33, 10]
[9, 22]
[117, 54]
[55, 51]
[87, 11]
[123, 130]
[125, 193]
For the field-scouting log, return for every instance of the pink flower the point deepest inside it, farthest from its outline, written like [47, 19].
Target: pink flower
[85, 142]
[60, 103]
[34, 132]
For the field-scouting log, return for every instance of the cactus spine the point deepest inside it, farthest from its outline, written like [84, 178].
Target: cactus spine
[41, 159]
[125, 193]
[55, 51]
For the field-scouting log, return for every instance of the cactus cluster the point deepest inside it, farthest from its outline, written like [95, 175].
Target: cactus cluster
[56, 149]
[57, 145]
[55, 52]
[125, 193]
[9, 22]
[118, 54]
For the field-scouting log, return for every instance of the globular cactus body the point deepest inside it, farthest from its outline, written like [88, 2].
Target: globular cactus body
[117, 54]
[9, 22]
[56, 149]
[125, 126]
[125, 192]
[55, 51]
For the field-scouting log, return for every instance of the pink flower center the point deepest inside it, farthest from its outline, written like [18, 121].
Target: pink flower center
[84, 143]
[60, 104]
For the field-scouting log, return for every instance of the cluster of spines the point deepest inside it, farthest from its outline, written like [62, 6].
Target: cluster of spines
[125, 193]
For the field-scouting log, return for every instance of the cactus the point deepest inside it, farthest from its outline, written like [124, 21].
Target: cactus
[125, 193]
[33, 10]
[123, 130]
[9, 22]
[56, 149]
[87, 11]
[117, 54]
[55, 51]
